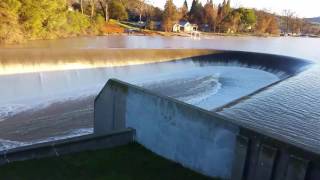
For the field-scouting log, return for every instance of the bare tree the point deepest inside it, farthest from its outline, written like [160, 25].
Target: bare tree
[92, 4]
[81, 6]
[142, 7]
[288, 15]
[105, 8]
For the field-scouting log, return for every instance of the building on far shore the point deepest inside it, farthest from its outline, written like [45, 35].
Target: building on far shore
[184, 26]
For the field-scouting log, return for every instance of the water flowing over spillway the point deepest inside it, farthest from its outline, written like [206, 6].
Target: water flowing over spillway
[46, 100]
[42, 105]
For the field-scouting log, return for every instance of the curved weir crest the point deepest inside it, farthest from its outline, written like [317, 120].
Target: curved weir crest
[206, 78]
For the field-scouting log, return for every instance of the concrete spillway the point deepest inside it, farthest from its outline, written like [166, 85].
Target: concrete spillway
[53, 91]
[16, 61]
[201, 140]
[42, 76]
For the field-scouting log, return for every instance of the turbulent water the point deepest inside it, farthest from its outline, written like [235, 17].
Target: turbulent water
[208, 86]
[289, 110]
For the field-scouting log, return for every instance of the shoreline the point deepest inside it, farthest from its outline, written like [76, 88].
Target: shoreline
[160, 33]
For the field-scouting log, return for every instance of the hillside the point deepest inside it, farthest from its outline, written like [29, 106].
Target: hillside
[314, 20]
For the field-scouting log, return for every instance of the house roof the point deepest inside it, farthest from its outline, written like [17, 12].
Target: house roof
[183, 23]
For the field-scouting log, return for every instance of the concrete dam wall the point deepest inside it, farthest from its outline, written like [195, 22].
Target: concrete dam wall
[196, 138]
[199, 139]
[43, 78]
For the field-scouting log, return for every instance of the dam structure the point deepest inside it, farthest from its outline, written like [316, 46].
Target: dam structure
[180, 104]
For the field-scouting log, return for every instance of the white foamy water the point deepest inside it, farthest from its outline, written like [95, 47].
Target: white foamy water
[207, 86]
[212, 86]
[37, 90]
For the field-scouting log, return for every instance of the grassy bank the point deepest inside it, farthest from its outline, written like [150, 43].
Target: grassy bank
[130, 162]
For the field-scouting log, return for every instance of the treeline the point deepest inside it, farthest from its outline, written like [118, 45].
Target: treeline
[22, 20]
[42, 19]
[222, 18]
[48, 19]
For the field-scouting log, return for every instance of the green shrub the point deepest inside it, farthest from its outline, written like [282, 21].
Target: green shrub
[10, 31]
[42, 19]
[77, 23]
[98, 24]
[117, 11]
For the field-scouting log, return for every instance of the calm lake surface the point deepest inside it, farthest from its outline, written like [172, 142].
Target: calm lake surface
[289, 110]
[291, 46]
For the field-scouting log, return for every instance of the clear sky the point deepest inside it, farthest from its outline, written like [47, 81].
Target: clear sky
[303, 8]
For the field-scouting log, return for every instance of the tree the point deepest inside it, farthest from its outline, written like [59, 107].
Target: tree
[267, 23]
[81, 6]
[117, 10]
[273, 27]
[169, 16]
[184, 11]
[92, 5]
[287, 15]
[196, 12]
[10, 31]
[224, 11]
[156, 14]
[232, 22]
[105, 8]
[210, 15]
[141, 5]
[296, 25]
[42, 19]
[248, 17]
[77, 23]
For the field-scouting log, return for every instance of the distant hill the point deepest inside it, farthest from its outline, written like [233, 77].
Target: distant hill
[314, 20]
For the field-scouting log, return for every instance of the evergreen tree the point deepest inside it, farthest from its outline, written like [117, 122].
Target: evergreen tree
[210, 14]
[232, 22]
[185, 4]
[224, 16]
[169, 16]
[196, 12]
[184, 11]
[228, 7]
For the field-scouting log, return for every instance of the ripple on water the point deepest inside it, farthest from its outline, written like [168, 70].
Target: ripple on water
[290, 110]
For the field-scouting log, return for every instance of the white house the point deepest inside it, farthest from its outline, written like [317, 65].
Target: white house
[184, 26]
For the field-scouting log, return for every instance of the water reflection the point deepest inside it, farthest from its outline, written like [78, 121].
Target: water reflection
[292, 46]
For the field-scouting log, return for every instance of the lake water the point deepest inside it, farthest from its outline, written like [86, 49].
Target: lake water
[292, 46]
[289, 110]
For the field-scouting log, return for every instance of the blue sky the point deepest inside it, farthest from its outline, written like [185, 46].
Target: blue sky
[303, 8]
